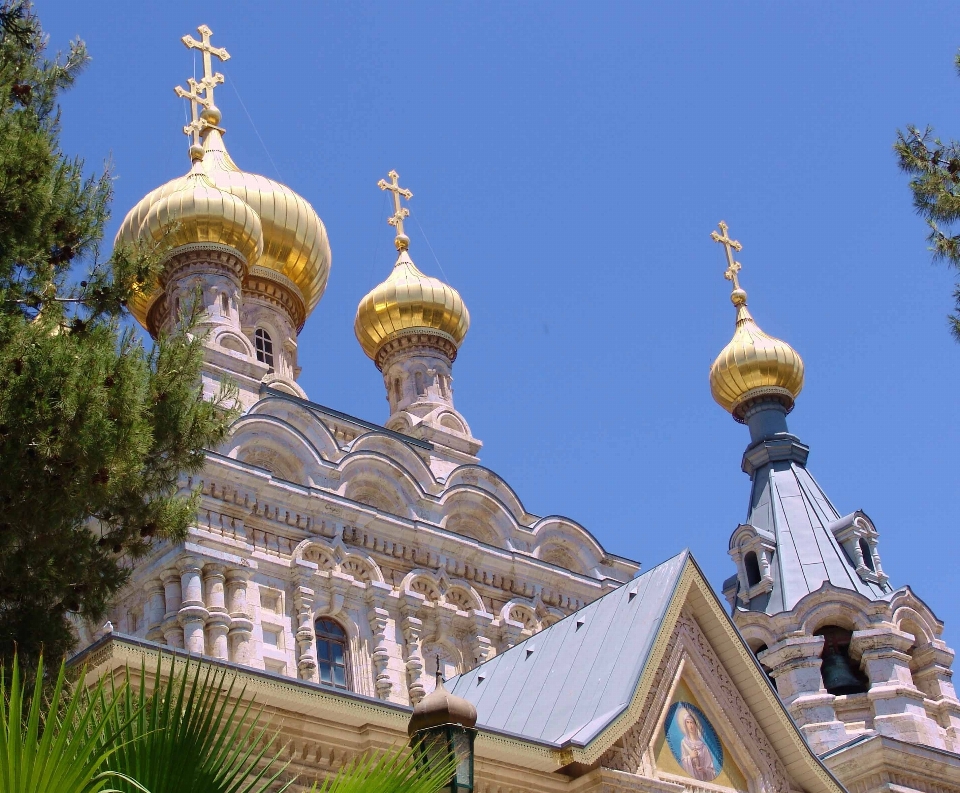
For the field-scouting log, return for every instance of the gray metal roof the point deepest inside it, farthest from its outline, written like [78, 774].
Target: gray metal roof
[787, 502]
[568, 682]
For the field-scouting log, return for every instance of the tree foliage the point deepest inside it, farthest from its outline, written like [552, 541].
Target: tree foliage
[935, 170]
[95, 428]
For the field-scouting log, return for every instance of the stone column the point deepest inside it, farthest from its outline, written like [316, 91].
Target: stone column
[412, 628]
[379, 617]
[172, 598]
[897, 704]
[192, 614]
[794, 663]
[933, 676]
[241, 626]
[155, 609]
[218, 621]
[304, 635]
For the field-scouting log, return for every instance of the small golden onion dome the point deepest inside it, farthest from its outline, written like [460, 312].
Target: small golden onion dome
[754, 365]
[409, 301]
[296, 250]
[440, 707]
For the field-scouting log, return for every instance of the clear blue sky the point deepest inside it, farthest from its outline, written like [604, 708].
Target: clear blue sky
[569, 162]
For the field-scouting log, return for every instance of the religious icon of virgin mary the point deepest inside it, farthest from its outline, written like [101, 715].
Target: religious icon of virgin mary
[693, 741]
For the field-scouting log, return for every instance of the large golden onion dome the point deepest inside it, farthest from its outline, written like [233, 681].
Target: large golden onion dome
[295, 251]
[753, 364]
[409, 301]
[200, 212]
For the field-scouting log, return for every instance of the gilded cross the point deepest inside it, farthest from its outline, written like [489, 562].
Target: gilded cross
[733, 266]
[399, 212]
[210, 78]
[196, 125]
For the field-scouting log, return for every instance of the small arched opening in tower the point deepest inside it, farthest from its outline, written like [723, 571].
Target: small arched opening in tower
[264, 346]
[839, 672]
[753, 568]
[867, 554]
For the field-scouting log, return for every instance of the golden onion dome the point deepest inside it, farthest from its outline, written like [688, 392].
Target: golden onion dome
[409, 301]
[295, 248]
[754, 365]
[197, 212]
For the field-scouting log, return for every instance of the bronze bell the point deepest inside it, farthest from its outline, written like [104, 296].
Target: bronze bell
[839, 677]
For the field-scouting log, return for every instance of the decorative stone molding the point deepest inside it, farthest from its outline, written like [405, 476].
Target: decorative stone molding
[305, 637]
[412, 628]
[377, 598]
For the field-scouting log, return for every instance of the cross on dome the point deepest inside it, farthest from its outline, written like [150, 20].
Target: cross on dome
[733, 267]
[196, 125]
[399, 212]
[210, 78]
[201, 91]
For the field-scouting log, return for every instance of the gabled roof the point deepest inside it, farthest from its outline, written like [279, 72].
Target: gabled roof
[787, 502]
[579, 685]
[568, 682]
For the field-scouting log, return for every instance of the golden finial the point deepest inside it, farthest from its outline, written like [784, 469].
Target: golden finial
[196, 125]
[399, 212]
[738, 296]
[210, 78]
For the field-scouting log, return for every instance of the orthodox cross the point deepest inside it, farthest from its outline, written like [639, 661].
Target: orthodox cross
[196, 125]
[399, 212]
[733, 267]
[210, 78]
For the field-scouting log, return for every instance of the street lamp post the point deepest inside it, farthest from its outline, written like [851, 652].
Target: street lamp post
[443, 725]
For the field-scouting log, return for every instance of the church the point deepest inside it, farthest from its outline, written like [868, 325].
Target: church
[342, 568]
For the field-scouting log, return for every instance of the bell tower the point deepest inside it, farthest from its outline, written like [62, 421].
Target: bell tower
[848, 654]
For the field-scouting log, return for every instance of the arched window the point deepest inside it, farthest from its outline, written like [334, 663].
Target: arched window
[396, 389]
[331, 653]
[840, 675]
[264, 346]
[224, 305]
[753, 568]
[418, 379]
[867, 555]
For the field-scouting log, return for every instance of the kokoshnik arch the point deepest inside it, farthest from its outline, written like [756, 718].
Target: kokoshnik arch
[339, 565]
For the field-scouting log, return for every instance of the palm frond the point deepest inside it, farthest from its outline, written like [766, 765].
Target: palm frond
[399, 771]
[57, 746]
[195, 732]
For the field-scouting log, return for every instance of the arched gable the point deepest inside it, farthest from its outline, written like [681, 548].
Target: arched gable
[400, 453]
[558, 532]
[303, 420]
[475, 513]
[485, 479]
[379, 481]
[274, 444]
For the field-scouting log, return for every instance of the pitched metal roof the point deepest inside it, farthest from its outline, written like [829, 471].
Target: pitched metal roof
[568, 682]
[787, 503]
